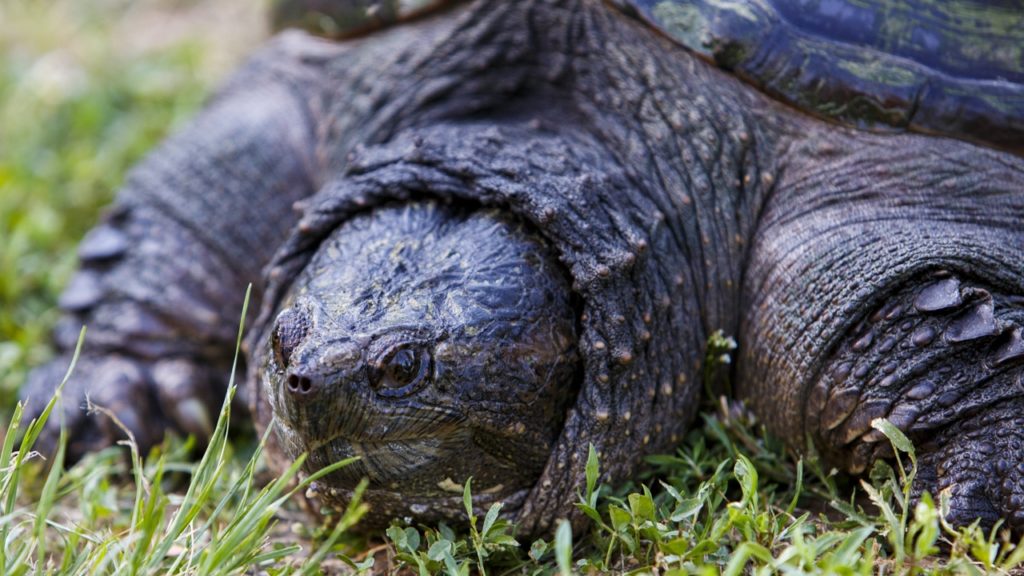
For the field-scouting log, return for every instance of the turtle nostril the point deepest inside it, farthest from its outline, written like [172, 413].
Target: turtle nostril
[299, 384]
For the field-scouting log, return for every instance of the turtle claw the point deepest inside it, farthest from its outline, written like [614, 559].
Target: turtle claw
[190, 394]
[979, 463]
[106, 400]
[940, 359]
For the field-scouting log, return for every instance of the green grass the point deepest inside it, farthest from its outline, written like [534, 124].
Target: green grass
[221, 524]
[728, 502]
[84, 92]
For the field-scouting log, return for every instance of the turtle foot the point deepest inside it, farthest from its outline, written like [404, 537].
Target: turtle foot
[979, 462]
[110, 398]
[942, 359]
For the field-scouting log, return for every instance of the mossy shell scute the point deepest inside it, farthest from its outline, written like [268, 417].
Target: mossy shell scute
[340, 19]
[948, 67]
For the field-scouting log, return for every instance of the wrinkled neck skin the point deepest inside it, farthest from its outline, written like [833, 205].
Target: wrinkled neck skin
[664, 188]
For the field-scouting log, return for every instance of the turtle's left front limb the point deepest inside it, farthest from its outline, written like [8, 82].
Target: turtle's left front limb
[886, 282]
[162, 279]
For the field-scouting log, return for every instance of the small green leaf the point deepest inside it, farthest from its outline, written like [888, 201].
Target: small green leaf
[619, 516]
[896, 437]
[397, 536]
[438, 550]
[672, 491]
[687, 508]
[452, 568]
[746, 474]
[641, 506]
[591, 512]
[412, 540]
[677, 546]
[504, 540]
[538, 549]
[592, 473]
[467, 500]
[563, 547]
[446, 532]
[490, 518]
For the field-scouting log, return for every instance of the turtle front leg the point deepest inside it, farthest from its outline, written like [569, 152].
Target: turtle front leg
[162, 279]
[979, 460]
[158, 308]
[885, 281]
[941, 359]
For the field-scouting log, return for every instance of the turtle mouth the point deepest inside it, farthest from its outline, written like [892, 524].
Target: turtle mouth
[366, 427]
[389, 504]
[423, 464]
[372, 443]
[407, 448]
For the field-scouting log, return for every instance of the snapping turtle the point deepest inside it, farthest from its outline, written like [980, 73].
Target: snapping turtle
[487, 235]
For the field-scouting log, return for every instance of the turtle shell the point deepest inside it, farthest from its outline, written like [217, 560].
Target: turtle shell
[954, 68]
[347, 18]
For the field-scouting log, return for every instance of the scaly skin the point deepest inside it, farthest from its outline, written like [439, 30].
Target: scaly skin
[889, 285]
[676, 199]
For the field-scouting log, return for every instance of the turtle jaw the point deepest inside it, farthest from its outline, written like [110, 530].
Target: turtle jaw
[387, 505]
[401, 462]
[418, 477]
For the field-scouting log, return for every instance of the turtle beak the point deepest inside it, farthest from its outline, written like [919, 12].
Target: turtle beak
[315, 383]
[307, 379]
[327, 407]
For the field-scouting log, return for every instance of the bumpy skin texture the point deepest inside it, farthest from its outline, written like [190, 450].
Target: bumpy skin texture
[676, 200]
[166, 270]
[893, 289]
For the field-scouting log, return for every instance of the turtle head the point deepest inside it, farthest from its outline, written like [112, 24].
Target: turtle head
[434, 343]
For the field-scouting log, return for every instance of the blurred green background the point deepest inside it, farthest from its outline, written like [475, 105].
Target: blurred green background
[86, 88]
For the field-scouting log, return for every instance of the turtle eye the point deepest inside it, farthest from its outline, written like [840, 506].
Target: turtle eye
[289, 330]
[403, 371]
